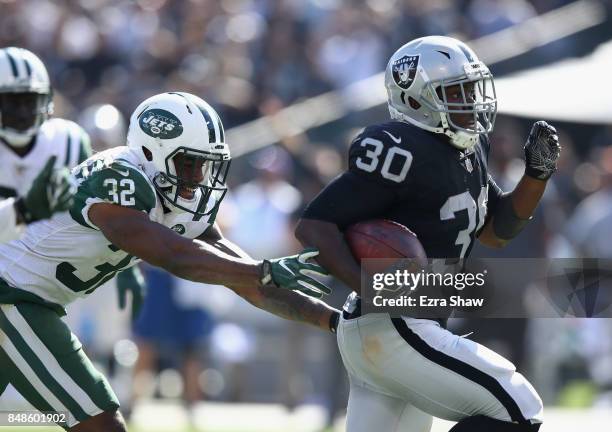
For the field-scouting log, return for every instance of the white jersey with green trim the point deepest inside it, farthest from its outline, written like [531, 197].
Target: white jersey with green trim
[56, 137]
[67, 257]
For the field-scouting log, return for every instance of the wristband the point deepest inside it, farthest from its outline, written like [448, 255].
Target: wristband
[506, 223]
[265, 272]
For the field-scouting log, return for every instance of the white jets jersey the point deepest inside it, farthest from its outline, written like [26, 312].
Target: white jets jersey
[59, 260]
[56, 137]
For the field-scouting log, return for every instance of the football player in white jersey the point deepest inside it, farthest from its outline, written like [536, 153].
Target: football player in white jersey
[34, 151]
[32, 138]
[155, 200]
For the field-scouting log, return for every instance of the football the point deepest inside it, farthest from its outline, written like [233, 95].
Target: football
[383, 238]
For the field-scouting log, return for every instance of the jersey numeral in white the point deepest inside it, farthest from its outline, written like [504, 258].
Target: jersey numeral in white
[123, 193]
[464, 201]
[374, 149]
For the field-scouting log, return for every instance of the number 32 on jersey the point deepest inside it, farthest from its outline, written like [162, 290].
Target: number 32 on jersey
[121, 192]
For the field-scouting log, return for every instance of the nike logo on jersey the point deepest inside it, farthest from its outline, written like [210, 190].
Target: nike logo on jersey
[124, 173]
[395, 140]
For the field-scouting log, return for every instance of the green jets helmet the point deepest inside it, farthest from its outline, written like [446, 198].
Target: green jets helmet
[26, 99]
[182, 138]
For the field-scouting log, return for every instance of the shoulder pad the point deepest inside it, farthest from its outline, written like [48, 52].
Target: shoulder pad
[381, 153]
[72, 138]
[117, 182]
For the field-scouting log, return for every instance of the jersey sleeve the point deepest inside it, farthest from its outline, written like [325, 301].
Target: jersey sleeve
[378, 171]
[380, 156]
[348, 199]
[118, 184]
[494, 195]
[78, 145]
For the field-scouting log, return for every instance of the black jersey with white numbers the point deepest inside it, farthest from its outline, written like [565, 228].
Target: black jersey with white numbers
[402, 173]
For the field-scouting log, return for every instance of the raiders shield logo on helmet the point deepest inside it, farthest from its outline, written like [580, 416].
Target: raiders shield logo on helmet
[404, 70]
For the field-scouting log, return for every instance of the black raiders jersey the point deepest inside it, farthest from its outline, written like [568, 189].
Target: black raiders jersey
[400, 172]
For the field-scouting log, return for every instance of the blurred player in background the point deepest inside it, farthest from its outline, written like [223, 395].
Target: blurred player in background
[36, 143]
[427, 169]
[154, 200]
[169, 330]
[35, 151]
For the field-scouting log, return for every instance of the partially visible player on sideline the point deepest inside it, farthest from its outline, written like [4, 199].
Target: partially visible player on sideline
[34, 150]
[427, 169]
[30, 139]
[156, 200]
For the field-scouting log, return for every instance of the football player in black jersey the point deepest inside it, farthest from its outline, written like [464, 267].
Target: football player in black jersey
[427, 169]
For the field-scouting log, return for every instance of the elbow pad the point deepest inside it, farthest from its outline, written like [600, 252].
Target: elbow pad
[506, 223]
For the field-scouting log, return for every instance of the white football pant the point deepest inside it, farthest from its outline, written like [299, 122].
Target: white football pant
[403, 371]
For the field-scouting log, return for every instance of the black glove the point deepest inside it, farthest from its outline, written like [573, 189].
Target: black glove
[542, 150]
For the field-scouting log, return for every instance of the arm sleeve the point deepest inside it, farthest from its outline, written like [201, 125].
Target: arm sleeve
[116, 184]
[374, 181]
[495, 194]
[348, 199]
[8, 221]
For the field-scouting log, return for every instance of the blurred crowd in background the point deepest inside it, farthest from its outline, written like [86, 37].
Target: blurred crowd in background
[250, 58]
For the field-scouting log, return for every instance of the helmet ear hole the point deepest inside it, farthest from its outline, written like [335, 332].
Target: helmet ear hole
[413, 103]
[147, 153]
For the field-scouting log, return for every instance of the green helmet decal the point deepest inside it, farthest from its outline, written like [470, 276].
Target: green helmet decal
[160, 123]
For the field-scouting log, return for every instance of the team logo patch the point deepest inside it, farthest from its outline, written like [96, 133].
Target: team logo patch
[180, 229]
[161, 124]
[404, 70]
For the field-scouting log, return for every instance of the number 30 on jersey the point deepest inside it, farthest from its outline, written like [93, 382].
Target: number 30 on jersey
[374, 149]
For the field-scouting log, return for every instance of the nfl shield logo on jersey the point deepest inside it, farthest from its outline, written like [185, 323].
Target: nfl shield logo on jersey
[404, 70]
[468, 165]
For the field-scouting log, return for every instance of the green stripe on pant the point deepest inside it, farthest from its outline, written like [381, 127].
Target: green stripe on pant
[55, 356]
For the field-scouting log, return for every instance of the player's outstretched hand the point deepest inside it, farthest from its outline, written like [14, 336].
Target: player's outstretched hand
[52, 191]
[295, 273]
[542, 150]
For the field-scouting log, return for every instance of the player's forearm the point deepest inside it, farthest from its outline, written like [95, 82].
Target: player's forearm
[201, 262]
[133, 232]
[228, 247]
[513, 212]
[283, 303]
[290, 305]
[334, 254]
[527, 195]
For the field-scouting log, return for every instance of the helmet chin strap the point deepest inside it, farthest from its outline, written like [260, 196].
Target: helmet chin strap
[462, 140]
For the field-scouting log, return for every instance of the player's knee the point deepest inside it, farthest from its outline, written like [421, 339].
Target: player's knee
[482, 423]
[108, 421]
